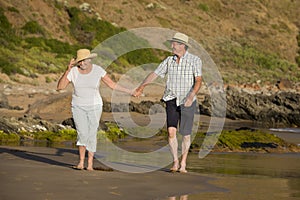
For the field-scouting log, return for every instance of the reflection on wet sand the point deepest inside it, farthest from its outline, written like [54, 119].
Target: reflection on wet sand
[183, 197]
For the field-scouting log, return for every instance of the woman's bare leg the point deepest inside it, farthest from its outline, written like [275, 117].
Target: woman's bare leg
[90, 161]
[81, 157]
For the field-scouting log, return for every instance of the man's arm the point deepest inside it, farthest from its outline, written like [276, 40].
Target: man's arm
[196, 88]
[151, 77]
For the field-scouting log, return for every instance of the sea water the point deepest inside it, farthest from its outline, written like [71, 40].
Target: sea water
[291, 135]
[247, 176]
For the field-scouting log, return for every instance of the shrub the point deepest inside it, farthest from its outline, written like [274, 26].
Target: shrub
[7, 62]
[51, 45]
[203, 7]
[13, 9]
[7, 33]
[34, 28]
[114, 132]
[48, 79]
[8, 137]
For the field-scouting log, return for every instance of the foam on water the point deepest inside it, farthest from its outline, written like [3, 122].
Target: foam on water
[292, 130]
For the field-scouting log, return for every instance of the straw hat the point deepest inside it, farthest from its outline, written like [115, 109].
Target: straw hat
[83, 54]
[181, 38]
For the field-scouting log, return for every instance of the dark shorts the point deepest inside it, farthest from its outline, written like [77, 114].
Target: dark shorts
[182, 115]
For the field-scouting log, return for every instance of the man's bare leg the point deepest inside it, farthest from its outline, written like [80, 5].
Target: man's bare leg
[173, 143]
[185, 145]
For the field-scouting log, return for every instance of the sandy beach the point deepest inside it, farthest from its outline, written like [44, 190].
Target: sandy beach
[46, 173]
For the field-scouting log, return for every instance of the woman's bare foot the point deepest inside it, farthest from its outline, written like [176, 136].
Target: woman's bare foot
[78, 167]
[175, 166]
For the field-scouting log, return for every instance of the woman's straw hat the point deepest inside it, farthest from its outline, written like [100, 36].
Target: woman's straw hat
[181, 38]
[83, 54]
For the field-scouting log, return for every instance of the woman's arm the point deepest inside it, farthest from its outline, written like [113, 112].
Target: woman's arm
[114, 86]
[63, 81]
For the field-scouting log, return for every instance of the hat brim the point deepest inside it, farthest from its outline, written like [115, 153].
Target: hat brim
[92, 55]
[179, 41]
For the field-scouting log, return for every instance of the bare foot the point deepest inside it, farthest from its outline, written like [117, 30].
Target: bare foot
[175, 166]
[90, 169]
[78, 167]
[182, 169]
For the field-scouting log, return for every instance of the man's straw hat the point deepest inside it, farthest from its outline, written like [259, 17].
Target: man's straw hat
[181, 38]
[83, 54]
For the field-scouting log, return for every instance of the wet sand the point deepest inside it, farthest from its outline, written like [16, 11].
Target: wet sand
[45, 173]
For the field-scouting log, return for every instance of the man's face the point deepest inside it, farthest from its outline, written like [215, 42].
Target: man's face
[177, 48]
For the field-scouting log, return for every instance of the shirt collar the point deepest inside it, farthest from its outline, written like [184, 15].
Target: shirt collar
[184, 56]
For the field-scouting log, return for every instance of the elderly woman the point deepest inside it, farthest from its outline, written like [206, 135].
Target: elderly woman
[86, 101]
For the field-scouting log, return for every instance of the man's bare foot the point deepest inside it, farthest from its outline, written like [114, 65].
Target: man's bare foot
[90, 169]
[182, 169]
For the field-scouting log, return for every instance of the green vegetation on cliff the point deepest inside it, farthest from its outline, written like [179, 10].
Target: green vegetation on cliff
[31, 52]
[245, 51]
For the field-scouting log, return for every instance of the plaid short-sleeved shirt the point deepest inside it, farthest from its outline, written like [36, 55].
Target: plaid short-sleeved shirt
[180, 77]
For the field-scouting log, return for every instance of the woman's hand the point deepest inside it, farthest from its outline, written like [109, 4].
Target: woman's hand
[71, 64]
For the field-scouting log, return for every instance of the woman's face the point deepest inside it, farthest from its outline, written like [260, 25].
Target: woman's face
[84, 64]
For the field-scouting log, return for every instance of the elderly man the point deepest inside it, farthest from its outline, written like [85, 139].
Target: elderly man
[184, 77]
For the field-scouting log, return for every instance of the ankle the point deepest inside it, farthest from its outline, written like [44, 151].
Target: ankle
[182, 165]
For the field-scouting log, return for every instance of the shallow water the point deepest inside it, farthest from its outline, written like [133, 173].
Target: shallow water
[291, 135]
[248, 176]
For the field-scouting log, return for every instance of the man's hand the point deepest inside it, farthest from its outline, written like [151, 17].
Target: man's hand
[188, 102]
[189, 99]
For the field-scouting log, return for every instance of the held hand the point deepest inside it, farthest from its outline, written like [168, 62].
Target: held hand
[138, 92]
[131, 92]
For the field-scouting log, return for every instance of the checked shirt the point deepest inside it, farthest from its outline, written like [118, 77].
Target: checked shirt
[180, 77]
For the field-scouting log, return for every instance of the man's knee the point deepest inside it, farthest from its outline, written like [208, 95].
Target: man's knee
[172, 132]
